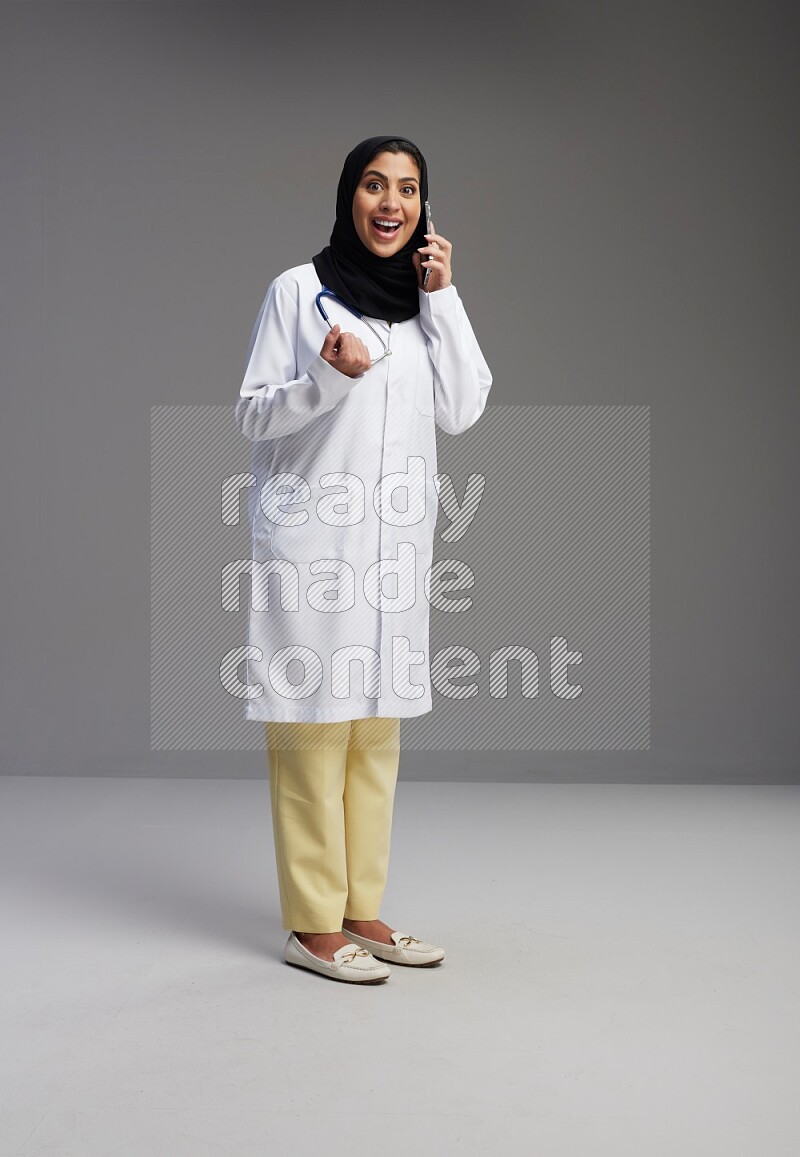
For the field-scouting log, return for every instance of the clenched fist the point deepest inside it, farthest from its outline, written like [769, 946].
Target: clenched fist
[346, 353]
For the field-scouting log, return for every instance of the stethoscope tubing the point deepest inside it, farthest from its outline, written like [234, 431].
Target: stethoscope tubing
[325, 292]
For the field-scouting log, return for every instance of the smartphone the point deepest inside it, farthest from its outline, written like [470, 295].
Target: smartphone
[428, 229]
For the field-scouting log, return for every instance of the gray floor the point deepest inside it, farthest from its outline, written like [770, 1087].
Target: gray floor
[621, 976]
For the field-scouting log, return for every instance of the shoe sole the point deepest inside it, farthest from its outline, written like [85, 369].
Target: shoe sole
[407, 964]
[331, 976]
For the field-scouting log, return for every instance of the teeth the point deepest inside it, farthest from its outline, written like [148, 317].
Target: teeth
[394, 224]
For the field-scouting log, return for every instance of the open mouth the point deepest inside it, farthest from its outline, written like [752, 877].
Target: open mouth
[385, 227]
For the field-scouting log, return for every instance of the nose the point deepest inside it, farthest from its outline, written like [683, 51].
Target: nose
[390, 202]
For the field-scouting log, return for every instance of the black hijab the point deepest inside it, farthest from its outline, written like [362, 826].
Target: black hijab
[382, 287]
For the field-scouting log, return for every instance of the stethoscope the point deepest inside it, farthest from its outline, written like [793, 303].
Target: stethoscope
[325, 292]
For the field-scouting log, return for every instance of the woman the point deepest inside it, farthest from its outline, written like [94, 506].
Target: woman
[355, 357]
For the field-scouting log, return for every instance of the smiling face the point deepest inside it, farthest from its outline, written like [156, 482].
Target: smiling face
[388, 191]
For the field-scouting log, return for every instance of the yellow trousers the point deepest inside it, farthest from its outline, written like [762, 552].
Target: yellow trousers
[332, 789]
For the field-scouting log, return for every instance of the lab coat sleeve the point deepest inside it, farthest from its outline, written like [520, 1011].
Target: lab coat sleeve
[462, 378]
[273, 400]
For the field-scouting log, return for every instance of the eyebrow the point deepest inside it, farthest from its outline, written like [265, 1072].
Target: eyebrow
[383, 177]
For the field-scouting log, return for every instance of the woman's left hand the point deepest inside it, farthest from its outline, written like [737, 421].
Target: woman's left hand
[435, 256]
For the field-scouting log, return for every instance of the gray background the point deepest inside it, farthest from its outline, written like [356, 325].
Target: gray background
[620, 184]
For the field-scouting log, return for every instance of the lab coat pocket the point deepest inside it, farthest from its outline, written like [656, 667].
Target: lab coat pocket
[309, 540]
[423, 393]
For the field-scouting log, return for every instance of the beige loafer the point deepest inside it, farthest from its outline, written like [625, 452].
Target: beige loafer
[350, 962]
[405, 949]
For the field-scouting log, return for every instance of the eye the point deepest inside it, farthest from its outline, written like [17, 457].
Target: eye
[411, 189]
[371, 183]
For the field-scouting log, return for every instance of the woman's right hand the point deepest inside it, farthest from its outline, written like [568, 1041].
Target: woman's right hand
[345, 352]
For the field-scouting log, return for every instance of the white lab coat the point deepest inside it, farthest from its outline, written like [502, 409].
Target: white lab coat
[312, 424]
